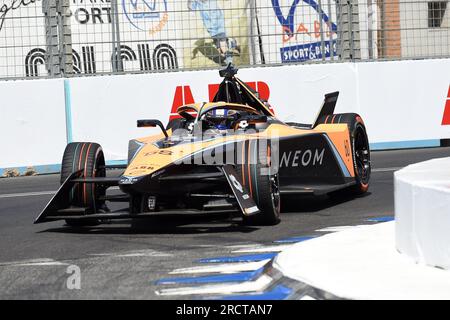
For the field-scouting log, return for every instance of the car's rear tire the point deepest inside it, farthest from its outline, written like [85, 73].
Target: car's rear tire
[89, 157]
[360, 149]
[262, 184]
[361, 159]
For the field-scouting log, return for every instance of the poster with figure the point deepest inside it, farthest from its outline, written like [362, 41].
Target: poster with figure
[214, 32]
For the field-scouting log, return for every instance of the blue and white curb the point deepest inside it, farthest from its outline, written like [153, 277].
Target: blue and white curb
[381, 219]
[222, 268]
[247, 274]
[243, 258]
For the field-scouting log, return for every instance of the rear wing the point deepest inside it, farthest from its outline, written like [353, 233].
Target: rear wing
[327, 108]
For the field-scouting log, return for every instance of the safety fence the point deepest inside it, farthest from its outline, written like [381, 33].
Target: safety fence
[54, 38]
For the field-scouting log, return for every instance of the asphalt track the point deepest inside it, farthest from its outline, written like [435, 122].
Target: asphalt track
[118, 261]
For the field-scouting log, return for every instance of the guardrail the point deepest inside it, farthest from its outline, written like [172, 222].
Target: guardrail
[401, 111]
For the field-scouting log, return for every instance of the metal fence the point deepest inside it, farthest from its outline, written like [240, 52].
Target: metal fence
[54, 38]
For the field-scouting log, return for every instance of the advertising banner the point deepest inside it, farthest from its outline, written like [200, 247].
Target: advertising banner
[147, 37]
[152, 35]
[297, 31]
[147, 34]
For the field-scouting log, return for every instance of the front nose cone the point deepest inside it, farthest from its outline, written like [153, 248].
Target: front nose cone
[140, 184]
[127, 184]
[125, 180]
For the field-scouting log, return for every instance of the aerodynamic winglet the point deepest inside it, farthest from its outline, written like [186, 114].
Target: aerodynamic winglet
[59, 199]
[245, 201]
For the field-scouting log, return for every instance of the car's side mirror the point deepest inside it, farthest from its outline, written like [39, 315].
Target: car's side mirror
[152, 123]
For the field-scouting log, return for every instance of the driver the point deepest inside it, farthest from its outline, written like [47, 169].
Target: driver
[221, 119]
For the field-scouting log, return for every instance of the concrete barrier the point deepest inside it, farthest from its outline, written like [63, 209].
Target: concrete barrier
[422, 212]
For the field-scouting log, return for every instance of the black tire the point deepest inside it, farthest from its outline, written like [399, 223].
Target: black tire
[361, 157]
[89, 157]
[264, 188]
[360, 149]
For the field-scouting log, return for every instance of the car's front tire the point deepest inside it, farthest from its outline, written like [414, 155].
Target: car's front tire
[89, 157]
[262, 184]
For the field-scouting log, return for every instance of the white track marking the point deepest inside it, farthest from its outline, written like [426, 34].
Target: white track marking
[242, 246]
[34, 262]
[386, 169]
[209, 246]
[223, 268]
[336, 229]
[37, 193]
[307, 298]
[26, 194]
[341, 228]
[230, 247]
[50, 263]
[256, 249]
[257, 285]
[132, 254]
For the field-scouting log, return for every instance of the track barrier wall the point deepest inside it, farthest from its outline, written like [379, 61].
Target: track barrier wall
[33, 127]
[404, 104]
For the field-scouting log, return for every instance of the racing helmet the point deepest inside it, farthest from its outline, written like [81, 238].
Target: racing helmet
[219, 118]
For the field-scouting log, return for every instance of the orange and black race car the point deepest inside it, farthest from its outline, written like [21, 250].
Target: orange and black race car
[228, 155]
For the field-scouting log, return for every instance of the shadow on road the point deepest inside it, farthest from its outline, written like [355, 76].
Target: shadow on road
[164, 224]
[202, 223]
[308, 204]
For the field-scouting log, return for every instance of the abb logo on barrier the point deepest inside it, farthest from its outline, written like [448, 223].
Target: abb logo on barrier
[183, 95]
[446, 117]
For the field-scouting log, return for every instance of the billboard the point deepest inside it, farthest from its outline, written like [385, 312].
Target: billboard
[147, 34]
[153, 35]
[147, 37]
[297, 31]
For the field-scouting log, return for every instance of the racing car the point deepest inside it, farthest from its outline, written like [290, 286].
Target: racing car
[228, 155]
